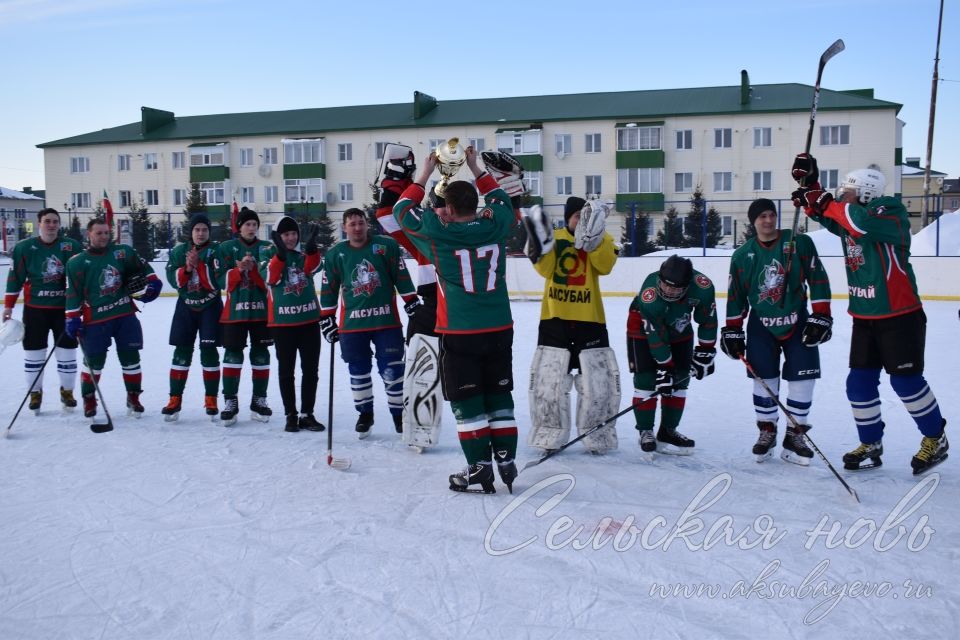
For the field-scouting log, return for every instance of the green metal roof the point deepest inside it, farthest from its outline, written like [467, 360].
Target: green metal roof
[500, 112]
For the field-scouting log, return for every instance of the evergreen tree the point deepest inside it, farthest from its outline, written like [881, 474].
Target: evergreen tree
[748, 232]
[672, 233]
[75, 231]
[140, 231]
[693, 224]
[644, 244]
[196, 203]
[329, 232]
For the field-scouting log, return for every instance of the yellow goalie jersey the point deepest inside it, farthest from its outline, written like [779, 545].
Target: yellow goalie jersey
[572, 290]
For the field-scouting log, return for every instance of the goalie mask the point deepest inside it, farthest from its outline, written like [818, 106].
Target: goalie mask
[11, 332]
[674, 278]
[866, 183]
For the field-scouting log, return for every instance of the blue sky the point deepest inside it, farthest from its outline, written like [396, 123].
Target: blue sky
[70, 67]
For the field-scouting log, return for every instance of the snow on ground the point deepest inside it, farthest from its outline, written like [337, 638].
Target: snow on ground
[191, 530]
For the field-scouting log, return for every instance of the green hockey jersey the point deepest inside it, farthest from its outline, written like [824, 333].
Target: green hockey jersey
[292, 296]
[40, 270]
[246, 290]
[365, 279]
[97, 282]
[198, 288]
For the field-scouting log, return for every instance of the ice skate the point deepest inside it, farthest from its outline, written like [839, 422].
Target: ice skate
[210, 406]
[673, 442]
[932, 452]
[766, 442]
[648, 442]
[506, 467]
[228, 417]
[259, 411]
[480, 473]
[134, 408]
[364, 422]
[89, 406]
[36, 399]
[67, 400]
[171, 412]
[310, 423]
[795, 448]
[856, 459]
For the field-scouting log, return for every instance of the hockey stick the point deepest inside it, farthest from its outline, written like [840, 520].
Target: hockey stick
[341, 464]
[790, 246]
[796, 425]
[6, 434]
[96, 428]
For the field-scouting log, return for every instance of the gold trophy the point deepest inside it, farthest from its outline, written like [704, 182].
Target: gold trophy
[450, 157]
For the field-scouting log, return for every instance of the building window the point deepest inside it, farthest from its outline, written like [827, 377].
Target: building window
[478, 143]
[683, 182]
[563, 143]
[302, 152]
[379, 148]
[345, 152]
[762, 137]
[346, 192]
[839, 134]
[727, 225]
[80, 200]
[519, 142]
[829, 179]
[206, 159]
[564, 186]
[531, 181]
[722, 138]
[270, 195]
[179, 195]
[593, 185]
[246, 157]
[722, 181]
[152, 197]
[269, 155]
[150, 162]
[305, 189]
[433, 143]
[179, 159]
[685, 139]
[638, 138]
[123, 163]
[591, 143]
[79, 165]
[248, 195]
[125, 199]
[639, 180]
[212, 192]
[762, 180]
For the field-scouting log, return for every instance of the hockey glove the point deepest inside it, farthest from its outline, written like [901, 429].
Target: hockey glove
[702, 364]
[592, 226]
[412, 306]
[805, 170]
[505, 170]
[664, 382]
[813, 200]
[328, 326]
[817, 330]
[74, 327]
[310, 238]
[152, 292]
[281, 247]
[733, 342]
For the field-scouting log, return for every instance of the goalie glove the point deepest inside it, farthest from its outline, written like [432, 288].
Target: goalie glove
[505, 170]
[592, 226]
[539, 233]
[397, 163]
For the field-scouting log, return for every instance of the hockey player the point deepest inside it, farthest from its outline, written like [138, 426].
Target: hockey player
[191, 270]
[244, 313]
[778, 322]
[473, 315]
[38, 267]
[294, 319]
[363, 272]
[573, 331]
[99, 308]
[660, 349]
[889, 326]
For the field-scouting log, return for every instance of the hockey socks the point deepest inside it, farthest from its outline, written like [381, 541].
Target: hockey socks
[94, 366]
[232, 366]
[260, 366]
[67, 367]
[180, 369]
[503, 425]
[920, 402]
[864, 397]
[210, 361]
[33, 365]
[473, 429]
[132, 375]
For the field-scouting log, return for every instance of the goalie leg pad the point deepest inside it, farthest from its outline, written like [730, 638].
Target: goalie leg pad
[422, 397]
[539, 233]
[598, 397]
[549, 397]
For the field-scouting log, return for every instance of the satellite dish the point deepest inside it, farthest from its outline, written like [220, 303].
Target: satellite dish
[264, 171]
[561, 155]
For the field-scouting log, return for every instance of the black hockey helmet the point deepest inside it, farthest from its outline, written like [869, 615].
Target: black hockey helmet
[674, 278]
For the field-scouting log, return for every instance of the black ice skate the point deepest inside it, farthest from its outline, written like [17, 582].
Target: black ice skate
[648, 442]
[932, 452]
[259, 411]
[506, 467]
[310, 423]
[364, 422]
[795, 448]
[480, 473]
[228, 417]
[856, 460]
[767, 440]
[673, 442]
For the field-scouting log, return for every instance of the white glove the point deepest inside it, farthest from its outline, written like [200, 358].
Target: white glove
[592, 226]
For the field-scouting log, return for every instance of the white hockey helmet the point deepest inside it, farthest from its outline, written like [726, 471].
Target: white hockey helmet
[867, 183]
[11, 332]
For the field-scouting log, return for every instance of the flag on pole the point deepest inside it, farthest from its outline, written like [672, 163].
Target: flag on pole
[108, 212]
[234, 213]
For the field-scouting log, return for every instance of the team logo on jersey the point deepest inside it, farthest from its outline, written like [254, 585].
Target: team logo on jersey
[364, 279]
[648, 295]
[378, 249]
[680, 324]
[571, 269]
[296, 281]
[193, 284]
[702, 281]
[855, 258]
[110, 280]
[52, 270]
[121, 255]
[771, 283]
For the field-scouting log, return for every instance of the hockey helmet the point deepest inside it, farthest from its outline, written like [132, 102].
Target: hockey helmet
[11, 332]
[674, 278]
[866, 183]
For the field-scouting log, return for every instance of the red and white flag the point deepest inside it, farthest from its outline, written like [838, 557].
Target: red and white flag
[108, 212]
